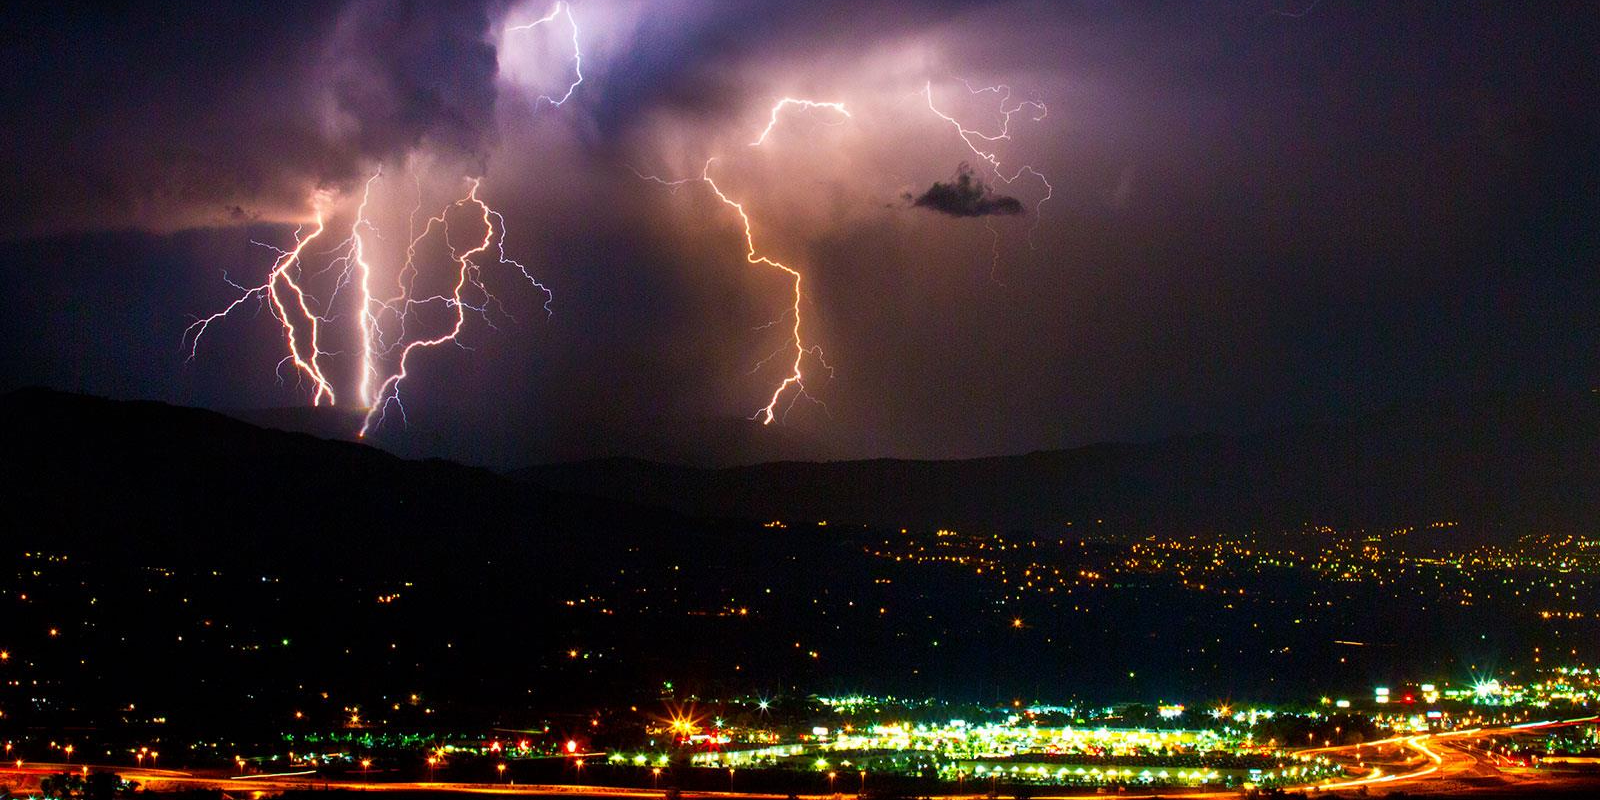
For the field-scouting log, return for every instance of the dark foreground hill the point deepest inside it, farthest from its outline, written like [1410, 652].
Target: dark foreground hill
[1514, 464]
[171, 482]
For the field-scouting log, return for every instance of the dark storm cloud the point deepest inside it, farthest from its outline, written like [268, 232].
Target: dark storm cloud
[400, 75]
[171, 115]
[699, 58]
[966, 195]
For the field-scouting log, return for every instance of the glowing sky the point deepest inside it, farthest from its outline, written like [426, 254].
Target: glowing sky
[1256, 215]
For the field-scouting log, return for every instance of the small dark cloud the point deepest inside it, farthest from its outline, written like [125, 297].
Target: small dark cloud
[238, 213]
[966, 195]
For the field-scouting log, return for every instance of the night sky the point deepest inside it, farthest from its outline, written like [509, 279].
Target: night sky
[1262, 212]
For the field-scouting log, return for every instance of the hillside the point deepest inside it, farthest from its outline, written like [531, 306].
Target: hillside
[1507, 463]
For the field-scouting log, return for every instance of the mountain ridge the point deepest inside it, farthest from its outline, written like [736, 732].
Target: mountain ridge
[1514, 463]
[1501, 460]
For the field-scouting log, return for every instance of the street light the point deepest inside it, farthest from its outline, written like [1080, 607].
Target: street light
[68, 751]
[863, 789]
[831, 776]
[655, 778]
[432, 762]
[502, 768]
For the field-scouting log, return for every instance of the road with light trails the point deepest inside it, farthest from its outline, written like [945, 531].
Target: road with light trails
[1438, 763]
[1426, 764]
[249, 786]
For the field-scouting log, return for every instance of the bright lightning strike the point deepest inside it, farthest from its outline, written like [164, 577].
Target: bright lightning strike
[381, 323]
[794, 383]
[560, 10]
[795, 378]
[298, 323]
[468, 274]
[772, 121]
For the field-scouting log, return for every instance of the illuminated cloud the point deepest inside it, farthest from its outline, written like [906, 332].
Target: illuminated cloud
[396, 77]
[196, 114]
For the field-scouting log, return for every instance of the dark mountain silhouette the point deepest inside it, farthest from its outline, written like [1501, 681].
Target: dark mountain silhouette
[76, 463]
[166, 481]
[1511, 463]
[427, 430]
[325, 422]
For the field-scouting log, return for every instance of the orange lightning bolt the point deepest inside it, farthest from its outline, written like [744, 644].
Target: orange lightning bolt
[796, 378]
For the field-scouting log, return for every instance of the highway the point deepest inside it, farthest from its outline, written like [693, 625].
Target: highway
[1423, 764]
[1436, 763]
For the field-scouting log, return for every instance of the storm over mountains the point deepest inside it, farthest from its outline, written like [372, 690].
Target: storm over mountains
[1257, 218]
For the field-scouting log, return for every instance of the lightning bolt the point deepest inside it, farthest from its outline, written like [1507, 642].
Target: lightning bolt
[388, 391]
[561, 9]
[982, 144]
[382, 324]
[795, 380]
[994, 252]
[772, 120]
[368, 317]
[283, 279]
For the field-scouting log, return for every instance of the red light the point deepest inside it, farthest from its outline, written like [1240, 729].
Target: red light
[495, 746]
[522, 745]
[572, 746]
